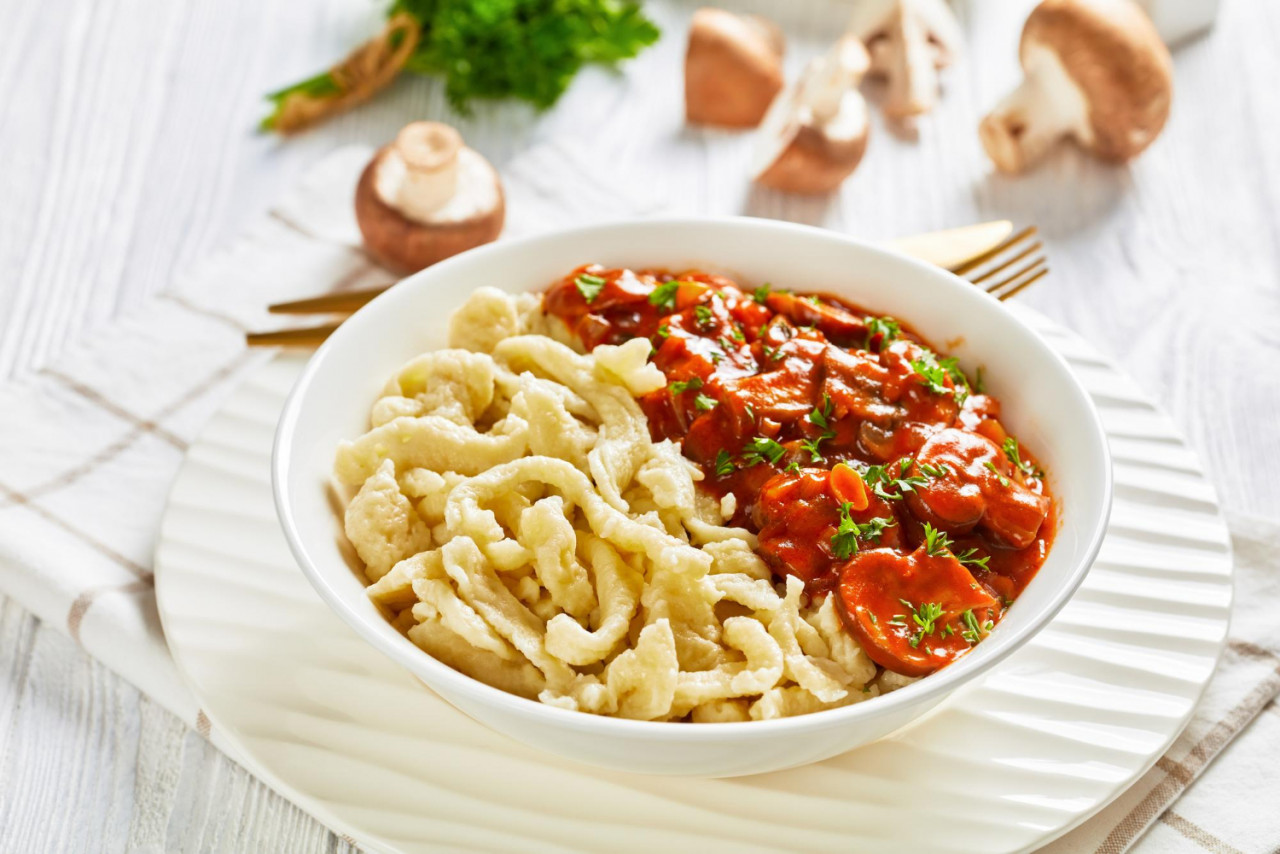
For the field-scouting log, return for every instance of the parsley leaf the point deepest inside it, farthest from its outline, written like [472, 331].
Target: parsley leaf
[974, 631]
[1011, 451]
[925, 616]
[760, 449]
[681, 386]
[886, 327]
[703, 315]
[589, 286]
[844, 542]
[885, 484]
[724, 464]
[822, 417]
[704, 403]
[664, 295]
[761, 293]
[1004, 481]
[935, 542]
[968, 558]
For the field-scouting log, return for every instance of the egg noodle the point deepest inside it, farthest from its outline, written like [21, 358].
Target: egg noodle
[516, 521]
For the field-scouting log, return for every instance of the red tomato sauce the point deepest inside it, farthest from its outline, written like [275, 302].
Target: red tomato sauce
[869, 465]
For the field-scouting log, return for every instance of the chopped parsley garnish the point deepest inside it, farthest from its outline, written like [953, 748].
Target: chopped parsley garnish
[724, 464]
[975, 631]
[589, 286]
[703, 316]
[845, 540]
[664, 331]
[664, 295]
[932, 470]
[791, 467]
[680, 386]
[886, 327]
[935, 542]
[933, 374]
[737, 333]
[704, 403]
[716, 358]
[750, 413]
[813, 298]
[1011, 451]
[761, 294]
[1004, 481]
[761, 449]
[890, 485]
[821, 418]
[925, 616]
[724, 344]
[969, 558]
[979, 384]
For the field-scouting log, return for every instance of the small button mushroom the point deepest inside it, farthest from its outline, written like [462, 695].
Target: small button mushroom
[425, 197]
[908, 40]
[1096, 71]
[814, 137]
[732, 69]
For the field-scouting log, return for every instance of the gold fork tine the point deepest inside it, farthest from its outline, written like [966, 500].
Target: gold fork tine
[979, 278]
[1020, 280]
[979, 260]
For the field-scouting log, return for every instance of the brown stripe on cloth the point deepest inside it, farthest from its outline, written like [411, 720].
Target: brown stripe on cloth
[1198, 834]
[75, 616]
[102, 548]
[96, 397]
[1150, 807]
[204, 726]
[142, 427]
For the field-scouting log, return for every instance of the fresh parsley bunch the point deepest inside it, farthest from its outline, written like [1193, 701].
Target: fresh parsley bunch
[526, 49]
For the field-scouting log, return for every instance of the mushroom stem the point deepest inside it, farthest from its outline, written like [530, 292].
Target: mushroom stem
[831, 76]
[911, 68]
[1046, 107]
[419, 173]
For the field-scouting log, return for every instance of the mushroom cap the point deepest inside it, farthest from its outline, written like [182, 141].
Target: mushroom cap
[407, 245]
[732, 68]
[1112, 52]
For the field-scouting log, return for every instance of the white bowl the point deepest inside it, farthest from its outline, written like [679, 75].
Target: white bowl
[1043, 404]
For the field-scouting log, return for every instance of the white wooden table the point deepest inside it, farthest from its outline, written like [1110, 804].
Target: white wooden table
[127, 153]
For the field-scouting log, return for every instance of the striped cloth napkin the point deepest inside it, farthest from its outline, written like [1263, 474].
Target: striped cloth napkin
[101, 434]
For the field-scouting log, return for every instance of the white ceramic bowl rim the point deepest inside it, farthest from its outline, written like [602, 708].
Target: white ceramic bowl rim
[936, 685]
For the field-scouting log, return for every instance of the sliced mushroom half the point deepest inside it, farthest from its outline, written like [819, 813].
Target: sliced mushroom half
[908, 40]
[814, 136]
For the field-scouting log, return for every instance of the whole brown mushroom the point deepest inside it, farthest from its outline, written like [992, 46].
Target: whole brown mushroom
[814, 136]
[426, 197]
[1096, 71]
[732, 68]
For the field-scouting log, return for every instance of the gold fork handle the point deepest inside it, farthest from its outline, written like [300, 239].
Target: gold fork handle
[343, 302]
[311, 336]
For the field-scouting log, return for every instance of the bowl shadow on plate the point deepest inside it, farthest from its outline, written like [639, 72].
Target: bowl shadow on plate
[338, 503]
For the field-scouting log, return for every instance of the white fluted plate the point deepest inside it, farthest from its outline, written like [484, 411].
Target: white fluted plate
[1006, 764]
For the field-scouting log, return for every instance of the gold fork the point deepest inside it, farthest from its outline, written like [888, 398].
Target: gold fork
[987, 254]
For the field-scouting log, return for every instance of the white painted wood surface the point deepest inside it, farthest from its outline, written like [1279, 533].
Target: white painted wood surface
[127, 154]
